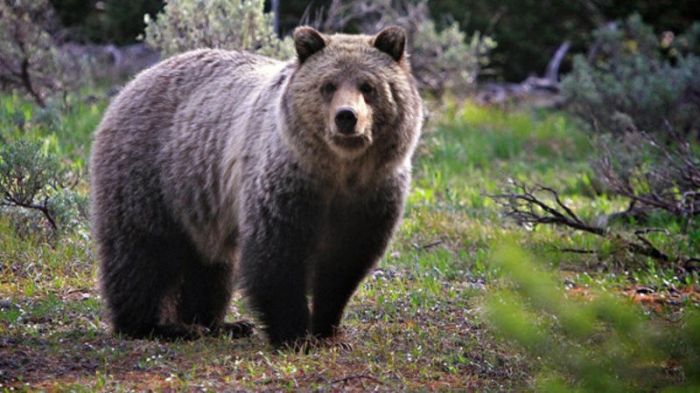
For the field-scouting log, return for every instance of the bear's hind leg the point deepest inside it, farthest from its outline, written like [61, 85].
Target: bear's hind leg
[139, 274]
[205, 295]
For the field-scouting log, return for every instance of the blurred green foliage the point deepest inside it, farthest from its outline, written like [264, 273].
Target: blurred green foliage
[599, 343]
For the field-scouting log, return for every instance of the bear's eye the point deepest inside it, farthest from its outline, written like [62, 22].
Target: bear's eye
[328, 88]
[367, 89]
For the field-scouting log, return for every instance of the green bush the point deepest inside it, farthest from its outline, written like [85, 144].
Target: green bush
[29, 177]
[227, 24]
[627, 83]
[601, 344]
[40, 177]
[447, 59]
[640, 95]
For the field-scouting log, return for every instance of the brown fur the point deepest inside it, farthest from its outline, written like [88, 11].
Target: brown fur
[214, 166]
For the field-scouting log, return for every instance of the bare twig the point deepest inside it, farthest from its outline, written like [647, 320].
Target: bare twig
[43, 208]
[30, 60]
[357, 376]
[553, 67]
[429, 245]
[577, 251]
[27, 80]
[671, 184]
[526, 206]
[647, 248]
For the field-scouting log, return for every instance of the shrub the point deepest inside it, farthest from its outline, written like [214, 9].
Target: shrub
[628, 83]
[448, 59]
[227, 24]
[28, 177]
[652, 173]
[29, 58]
[640, 94]
[595, 344]
[32, 187]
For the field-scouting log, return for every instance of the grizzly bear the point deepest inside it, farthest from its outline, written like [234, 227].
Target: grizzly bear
[217, 170]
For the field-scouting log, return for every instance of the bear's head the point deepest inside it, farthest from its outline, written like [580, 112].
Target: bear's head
[353, 95]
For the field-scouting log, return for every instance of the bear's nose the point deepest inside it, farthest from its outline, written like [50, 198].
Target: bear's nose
[345, 119]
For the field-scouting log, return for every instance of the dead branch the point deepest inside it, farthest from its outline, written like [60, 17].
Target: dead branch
[552, 73]
[672, 183]
[543, 205]
[29, 60]
[43, 208]
[428, 246]
[543, 91]
[576, 250]
[357, 376]
[647, 248]
[525, 207]
[27, 79]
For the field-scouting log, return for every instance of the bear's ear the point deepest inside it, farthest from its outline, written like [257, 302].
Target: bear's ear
[307, 41]
[391, 41]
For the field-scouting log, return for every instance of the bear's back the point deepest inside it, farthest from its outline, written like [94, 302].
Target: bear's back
[152, 142]
[155, 94]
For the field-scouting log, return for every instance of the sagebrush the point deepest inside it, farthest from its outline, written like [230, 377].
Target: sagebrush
[225, 24]
[629, 82]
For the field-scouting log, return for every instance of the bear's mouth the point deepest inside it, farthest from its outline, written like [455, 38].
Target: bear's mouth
[351, 142]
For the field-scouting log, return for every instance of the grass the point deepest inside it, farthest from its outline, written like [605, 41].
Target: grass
[416, 322]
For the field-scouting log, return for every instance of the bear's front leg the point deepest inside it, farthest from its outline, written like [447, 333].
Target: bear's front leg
[277, 235]
[359, 231]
